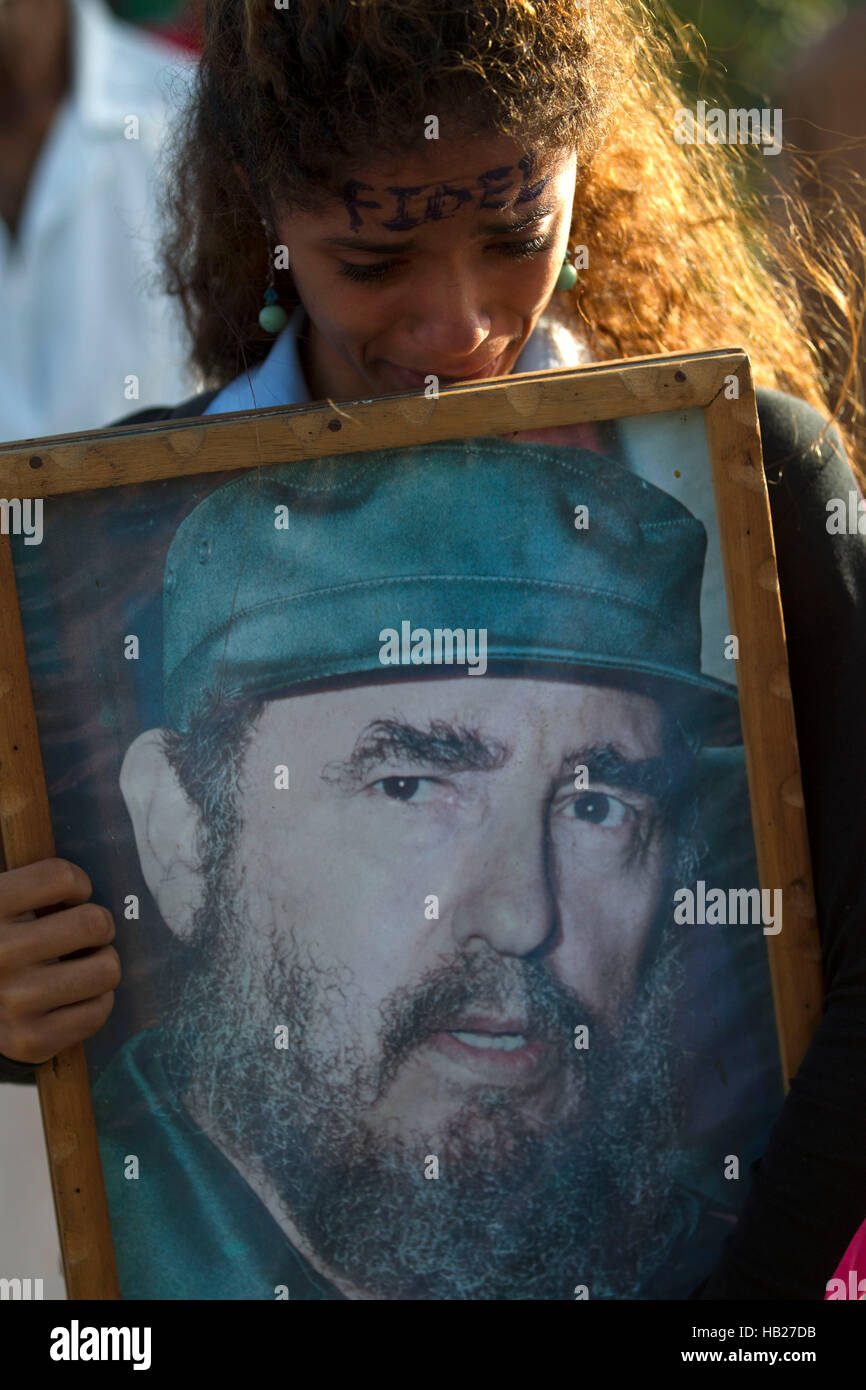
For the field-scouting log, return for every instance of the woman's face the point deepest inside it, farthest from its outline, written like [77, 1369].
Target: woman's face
[438, 265]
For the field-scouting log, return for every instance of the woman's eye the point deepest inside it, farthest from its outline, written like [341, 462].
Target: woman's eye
[520, 249]
[365, 273]
[597, 808]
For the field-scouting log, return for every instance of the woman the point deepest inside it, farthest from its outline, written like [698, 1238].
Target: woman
[412, 183]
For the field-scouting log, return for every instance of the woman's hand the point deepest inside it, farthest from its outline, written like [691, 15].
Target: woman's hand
[49, 997]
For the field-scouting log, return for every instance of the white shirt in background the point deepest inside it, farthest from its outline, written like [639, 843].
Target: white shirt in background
[83, 325]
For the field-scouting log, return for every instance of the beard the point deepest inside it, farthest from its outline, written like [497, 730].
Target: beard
[520, 1209]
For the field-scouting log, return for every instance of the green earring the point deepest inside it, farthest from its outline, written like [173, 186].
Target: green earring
[567, 278]
[273, 317]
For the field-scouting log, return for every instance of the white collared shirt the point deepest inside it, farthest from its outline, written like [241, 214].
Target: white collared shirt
[83, 324]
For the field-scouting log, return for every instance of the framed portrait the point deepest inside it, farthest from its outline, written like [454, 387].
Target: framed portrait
[436, 758]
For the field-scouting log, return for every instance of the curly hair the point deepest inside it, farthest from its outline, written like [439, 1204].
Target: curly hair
[684, 252]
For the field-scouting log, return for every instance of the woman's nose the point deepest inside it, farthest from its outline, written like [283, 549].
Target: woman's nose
[449, 323]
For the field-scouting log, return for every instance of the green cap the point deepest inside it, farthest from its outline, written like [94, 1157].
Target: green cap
[291, 574]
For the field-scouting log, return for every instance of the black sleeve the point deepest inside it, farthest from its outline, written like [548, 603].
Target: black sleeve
[16, 1071]
[143, 417]
[808, 1192]
[195, 406]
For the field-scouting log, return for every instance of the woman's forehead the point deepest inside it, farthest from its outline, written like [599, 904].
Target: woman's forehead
[499, 175]
[459, 157]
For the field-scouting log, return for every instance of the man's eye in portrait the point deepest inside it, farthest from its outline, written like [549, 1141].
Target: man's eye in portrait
[592, 808]
[599, 808]
[414, 790]
[598, 822]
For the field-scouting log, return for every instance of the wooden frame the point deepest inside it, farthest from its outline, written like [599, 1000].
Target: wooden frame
[177, 448]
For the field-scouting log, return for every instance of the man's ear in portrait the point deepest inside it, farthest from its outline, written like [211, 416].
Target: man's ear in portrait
[166, 824]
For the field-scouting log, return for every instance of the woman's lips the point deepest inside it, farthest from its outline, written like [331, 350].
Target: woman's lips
[407, 380]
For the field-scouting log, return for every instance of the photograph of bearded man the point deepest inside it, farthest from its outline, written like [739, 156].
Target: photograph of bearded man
[423, 1046]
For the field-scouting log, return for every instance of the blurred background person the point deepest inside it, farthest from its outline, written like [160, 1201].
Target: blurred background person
[86, 100]
[825, 109]
[807, 58]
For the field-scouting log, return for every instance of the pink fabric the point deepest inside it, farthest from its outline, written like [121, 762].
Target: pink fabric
[849, 1281]
[575, 436]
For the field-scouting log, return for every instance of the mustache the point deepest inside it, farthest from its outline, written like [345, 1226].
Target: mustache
[480, 984]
